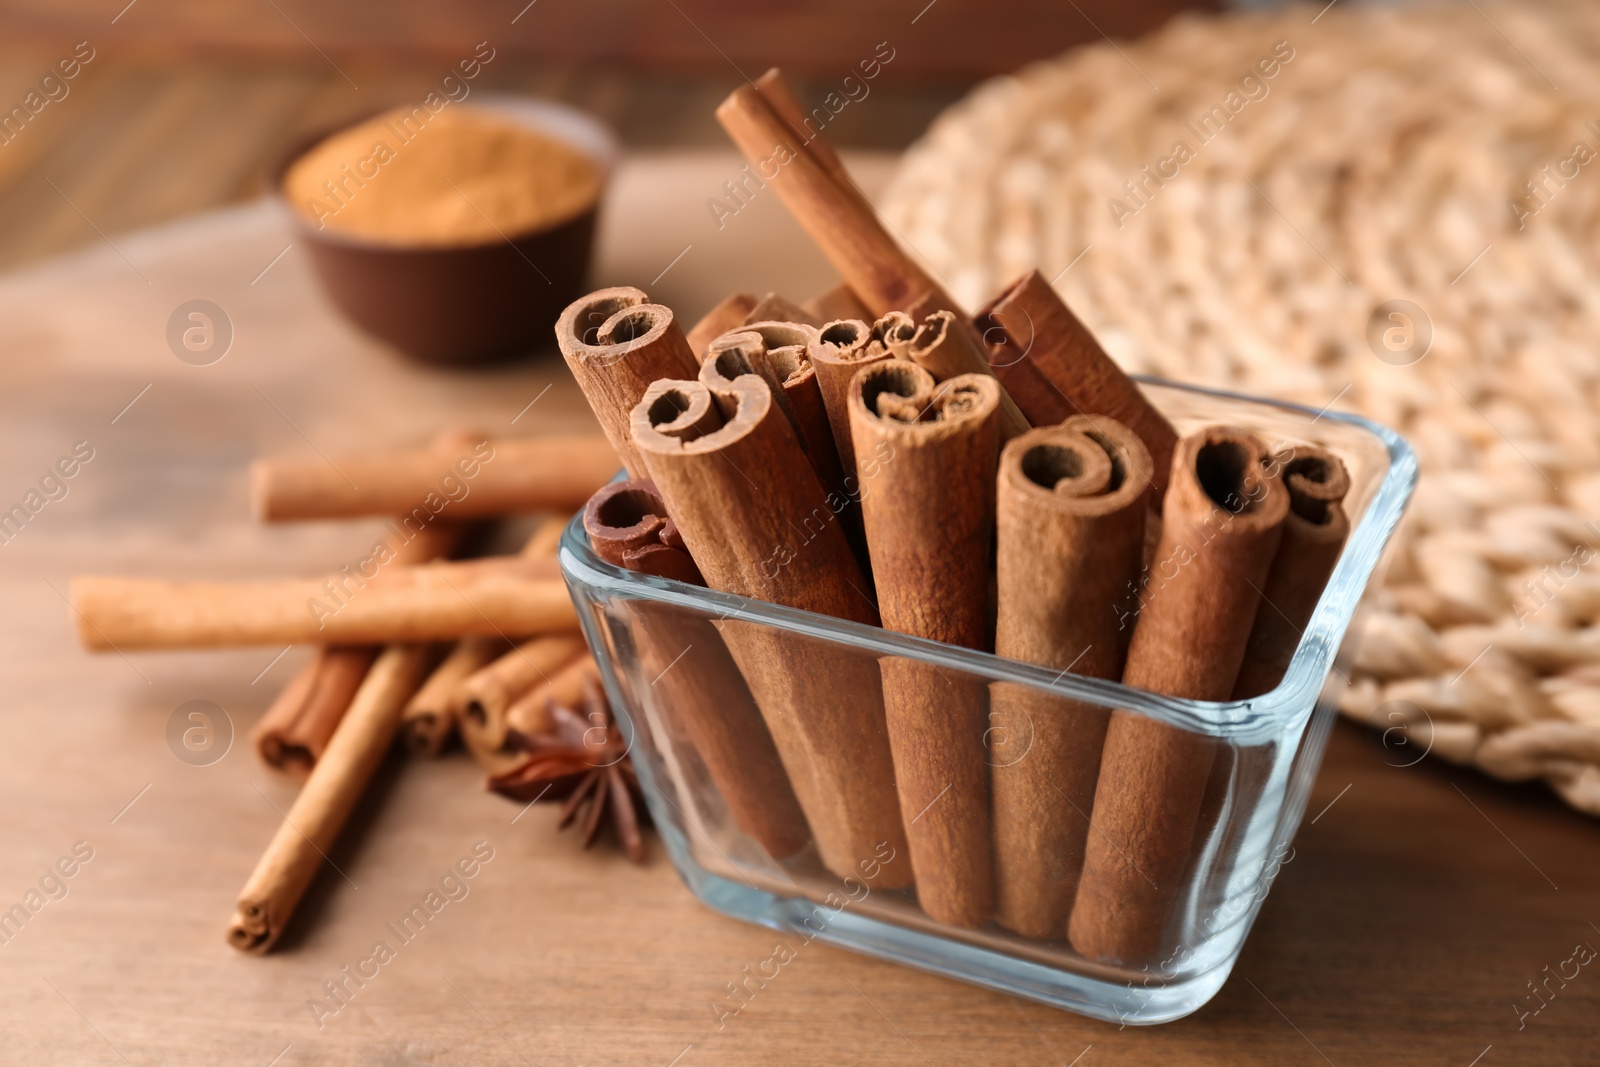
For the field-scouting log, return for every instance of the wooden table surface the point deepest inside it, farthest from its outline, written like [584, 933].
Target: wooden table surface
[1419, 902]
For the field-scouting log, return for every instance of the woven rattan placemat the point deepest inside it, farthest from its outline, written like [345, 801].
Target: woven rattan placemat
[1392, 211]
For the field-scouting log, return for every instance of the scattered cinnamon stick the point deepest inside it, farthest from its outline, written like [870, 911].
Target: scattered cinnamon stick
[695, 683]
[489, 693]
[827, 206]
[1224, 516]
[1054, 368]
[530, 715]
[929, 521]
[296, 728]
[822, 702]
[490, 479]
[311, 828]
[732, 312]
[1070, 537]
[431, 602]
[293, 733]
[616, 343]
[430, 715]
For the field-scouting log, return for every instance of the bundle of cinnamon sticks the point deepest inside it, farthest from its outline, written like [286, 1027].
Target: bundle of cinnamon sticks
[993, 482]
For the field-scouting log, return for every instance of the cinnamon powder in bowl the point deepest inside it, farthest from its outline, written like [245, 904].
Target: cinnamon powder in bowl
[456, 235]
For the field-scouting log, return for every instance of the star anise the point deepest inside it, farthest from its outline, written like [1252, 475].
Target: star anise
[584, 761]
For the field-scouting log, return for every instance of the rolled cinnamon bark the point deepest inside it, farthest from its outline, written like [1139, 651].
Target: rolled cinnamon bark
[944, 348]
[296, 728]
[775, 307]
[616, 343]
[841, 349]
[1069, 541]
[312, 826]
[530, 715]
[840, 302]
[1223, 520]
[489, 479]
[697, 686]
[431, 602]
[732, 312]
[777, 352]
[1314, 533]
[783, 101]
[822, 702]
[929, 521]
[1054, 368]
[490, 692]
[430, 715]
[828, 207]
[293, 733]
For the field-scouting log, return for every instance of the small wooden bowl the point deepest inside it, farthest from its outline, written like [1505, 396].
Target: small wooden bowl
[467, 303]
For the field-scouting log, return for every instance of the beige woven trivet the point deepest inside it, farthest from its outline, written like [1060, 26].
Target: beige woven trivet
[1384, 159]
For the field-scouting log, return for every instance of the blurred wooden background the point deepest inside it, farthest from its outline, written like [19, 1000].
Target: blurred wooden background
[186, 104]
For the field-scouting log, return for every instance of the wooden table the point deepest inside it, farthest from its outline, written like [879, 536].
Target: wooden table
[1418, 903]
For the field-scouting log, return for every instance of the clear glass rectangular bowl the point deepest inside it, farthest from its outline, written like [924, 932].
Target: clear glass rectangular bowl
[645, 630]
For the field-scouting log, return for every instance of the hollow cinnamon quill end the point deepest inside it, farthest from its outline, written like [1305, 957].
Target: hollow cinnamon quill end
[580, 322]
[250, 931]
[1317, 482]
[1089, 464]
[1225, 471]
[425, 732]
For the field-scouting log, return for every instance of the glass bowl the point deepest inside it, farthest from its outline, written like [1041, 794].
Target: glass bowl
[728, 816]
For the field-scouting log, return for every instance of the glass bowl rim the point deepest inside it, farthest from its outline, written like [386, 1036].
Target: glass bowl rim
[1251, 720]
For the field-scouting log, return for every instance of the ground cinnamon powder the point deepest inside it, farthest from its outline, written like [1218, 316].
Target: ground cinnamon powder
[461, 175]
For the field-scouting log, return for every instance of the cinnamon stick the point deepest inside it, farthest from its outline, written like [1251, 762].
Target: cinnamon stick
[489, 479]
[489, 693]
[530, 715]
[296, 728]
[430, 715]
[1314, 534]
[431, 602]
[928, 522]
[840, 302]
[822, 702]
[730, 313]
[1223, 519]
[311, 828]
[777, 352]
[944, 348]
[695, 683]
[827, 206]
[1069, 541]
[616, 343]
[781, 98]
[842, 348]
[1054, 368]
